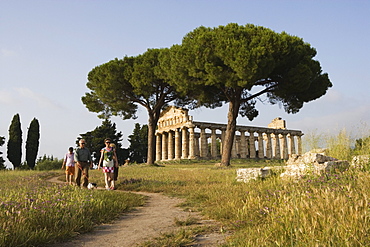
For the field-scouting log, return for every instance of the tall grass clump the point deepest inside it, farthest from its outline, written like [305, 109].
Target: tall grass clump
[327, 210]
[34, 212]
[340, 146]
[362, 145]
[313, 140]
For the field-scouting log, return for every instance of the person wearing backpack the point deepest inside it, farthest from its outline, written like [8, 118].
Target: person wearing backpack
[108, 161]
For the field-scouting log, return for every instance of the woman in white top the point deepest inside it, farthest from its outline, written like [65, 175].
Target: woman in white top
[69, 163]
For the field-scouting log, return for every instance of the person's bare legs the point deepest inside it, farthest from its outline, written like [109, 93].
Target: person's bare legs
[106, 179]
[111, 176]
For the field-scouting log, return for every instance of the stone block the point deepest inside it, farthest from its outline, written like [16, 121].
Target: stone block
[312, 163]
[247, 174]
[360, 161]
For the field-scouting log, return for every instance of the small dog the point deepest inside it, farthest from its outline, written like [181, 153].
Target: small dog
[91, 186]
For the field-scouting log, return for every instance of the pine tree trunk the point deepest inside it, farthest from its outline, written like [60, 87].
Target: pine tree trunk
[151, 142]
[230, 132]
[152, 126]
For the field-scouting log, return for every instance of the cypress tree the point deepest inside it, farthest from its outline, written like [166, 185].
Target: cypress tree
[15, 142]
[32, 143]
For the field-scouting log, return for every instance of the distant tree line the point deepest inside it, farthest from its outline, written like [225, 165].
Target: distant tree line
[137, 151]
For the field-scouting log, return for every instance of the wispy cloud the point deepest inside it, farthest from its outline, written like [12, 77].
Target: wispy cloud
[41, 100]
[348, 118]
[26, 97]
[7, 53]
[7, 97]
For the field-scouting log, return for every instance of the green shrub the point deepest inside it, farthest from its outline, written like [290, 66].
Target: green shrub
[48, 163]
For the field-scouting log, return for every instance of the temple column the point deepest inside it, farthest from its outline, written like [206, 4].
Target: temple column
[237, 140]
[252, 146]
[234, 153]
[191, 143]
[284, 147]
[164, 146]
[277, 147]
[214, 153]
[158, 147]
[184, 146]
[170, 145]
[222, 140]
[268, 146]
[299, 143]
[177, 145]
[203, 143]
[261, 151]
[196, 146]
[291, 144]
[243, 145]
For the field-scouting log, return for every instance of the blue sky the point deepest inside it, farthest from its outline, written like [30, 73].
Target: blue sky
[48, 47]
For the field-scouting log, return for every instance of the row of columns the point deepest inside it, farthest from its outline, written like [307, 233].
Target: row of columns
[184, 143]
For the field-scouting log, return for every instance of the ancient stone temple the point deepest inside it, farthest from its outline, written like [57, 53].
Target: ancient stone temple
[179, 137]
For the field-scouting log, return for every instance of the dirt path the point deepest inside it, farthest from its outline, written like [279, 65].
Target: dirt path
[157, 216]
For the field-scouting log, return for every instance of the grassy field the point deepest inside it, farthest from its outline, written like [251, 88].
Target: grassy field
[328, 210]
[34, 212]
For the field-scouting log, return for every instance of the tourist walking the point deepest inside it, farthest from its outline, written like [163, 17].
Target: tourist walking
[108, 161]
[69, 164]
[83, 163]
[116, 168]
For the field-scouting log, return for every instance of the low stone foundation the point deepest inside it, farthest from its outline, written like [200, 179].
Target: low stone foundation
[300, 165]
[312, 163]
[247, 174]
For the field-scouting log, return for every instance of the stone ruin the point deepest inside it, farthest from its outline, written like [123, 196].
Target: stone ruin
[247, 174]
[360, 161]
[313, 162]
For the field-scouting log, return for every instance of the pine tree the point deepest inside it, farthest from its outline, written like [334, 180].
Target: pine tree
[32, 143]
[15, 142]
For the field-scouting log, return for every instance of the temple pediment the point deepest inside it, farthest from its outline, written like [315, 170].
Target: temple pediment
[173, 117]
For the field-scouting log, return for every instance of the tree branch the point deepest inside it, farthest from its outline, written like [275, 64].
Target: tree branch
[266, 90]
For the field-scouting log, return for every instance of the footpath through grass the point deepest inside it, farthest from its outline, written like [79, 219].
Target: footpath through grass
[34, 212]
